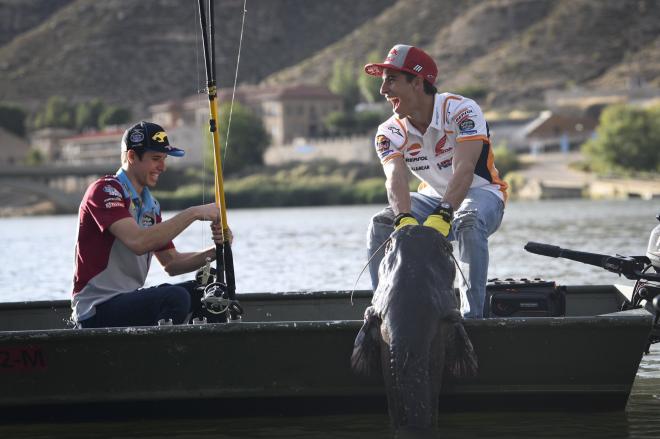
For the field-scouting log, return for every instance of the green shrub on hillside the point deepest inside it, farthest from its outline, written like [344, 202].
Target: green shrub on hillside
[114, 116]
[627, 139]
[370, 85]
[59, 112]
[243, 142]
[88, 114]
[343, 82]
[12, 118]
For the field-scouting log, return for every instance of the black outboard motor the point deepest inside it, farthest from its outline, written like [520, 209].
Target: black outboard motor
[644, 270]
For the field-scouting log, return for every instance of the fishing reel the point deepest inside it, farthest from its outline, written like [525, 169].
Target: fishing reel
[215, 295]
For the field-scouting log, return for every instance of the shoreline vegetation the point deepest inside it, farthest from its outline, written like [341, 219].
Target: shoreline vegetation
[319, 183]
[329, 183]
[301, 184]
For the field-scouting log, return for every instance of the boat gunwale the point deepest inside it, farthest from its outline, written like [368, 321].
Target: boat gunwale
[627, 318]
[308, 295]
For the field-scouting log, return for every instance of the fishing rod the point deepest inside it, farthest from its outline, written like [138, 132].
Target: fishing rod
[219, 296]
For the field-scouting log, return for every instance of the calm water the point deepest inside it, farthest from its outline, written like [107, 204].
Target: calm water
[323, 248]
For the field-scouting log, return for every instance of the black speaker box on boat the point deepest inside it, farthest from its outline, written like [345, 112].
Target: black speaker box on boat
[524, 298]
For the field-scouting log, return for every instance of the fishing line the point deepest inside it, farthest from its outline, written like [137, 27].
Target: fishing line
[459, 269]
[233, 93]
[199, 100]
[387, 241]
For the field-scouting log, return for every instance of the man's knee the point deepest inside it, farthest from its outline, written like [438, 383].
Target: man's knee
[384, 217]
[177, 302]
[467, 221]
[380, 227]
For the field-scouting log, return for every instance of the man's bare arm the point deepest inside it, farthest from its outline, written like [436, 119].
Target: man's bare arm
[465, 160]
[176, 263]
[398, 192]
[141, 240]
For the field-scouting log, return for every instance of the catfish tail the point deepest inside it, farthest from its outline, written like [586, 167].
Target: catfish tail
[461, 358]
[365, 359]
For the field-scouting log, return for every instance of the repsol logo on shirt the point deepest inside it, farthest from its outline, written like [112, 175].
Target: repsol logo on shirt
[416, 159]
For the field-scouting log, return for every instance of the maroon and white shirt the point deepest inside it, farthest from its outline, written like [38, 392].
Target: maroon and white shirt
[104, 266]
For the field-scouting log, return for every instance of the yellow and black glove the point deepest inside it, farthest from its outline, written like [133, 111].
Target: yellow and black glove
[440, 218]
[404, 219]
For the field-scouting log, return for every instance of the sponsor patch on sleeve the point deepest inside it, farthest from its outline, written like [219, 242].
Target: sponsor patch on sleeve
[464, 114]
[111, 190]
[383, 146]
[466, 125]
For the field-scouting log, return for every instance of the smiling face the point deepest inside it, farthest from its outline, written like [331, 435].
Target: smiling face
[145, 172]
[404, 95]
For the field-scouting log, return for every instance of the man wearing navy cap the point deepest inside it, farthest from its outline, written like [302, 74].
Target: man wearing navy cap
[443, 139]
[120, 228]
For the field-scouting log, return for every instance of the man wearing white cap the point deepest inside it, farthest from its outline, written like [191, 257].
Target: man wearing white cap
[443, 139]
[120, 228]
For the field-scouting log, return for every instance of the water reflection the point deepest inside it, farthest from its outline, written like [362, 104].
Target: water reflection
[504, 425]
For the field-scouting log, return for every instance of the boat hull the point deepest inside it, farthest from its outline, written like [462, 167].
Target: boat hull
[291, 354]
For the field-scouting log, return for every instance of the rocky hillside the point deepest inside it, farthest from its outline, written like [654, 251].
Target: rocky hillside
[140, 52]
[515, 49]
[145, 51]
[18, 16]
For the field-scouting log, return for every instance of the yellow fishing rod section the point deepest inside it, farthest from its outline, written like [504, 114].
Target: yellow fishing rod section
[217, 160]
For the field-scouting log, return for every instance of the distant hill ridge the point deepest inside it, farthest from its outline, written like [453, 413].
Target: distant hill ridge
[141, 52]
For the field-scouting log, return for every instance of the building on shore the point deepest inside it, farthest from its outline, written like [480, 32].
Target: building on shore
[47, 141]
[552, 131]
[289, 113]
[294, 117]
[591, 102]
[13, 149]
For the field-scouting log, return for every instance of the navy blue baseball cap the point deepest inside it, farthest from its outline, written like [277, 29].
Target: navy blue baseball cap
[150, 137]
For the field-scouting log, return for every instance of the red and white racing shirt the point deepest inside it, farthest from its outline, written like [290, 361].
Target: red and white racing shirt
[430, 155]
[104, 266]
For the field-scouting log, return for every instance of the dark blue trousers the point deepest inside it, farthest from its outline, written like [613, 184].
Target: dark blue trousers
[146, 306]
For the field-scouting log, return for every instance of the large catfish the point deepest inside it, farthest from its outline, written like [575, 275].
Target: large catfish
[414, 331]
